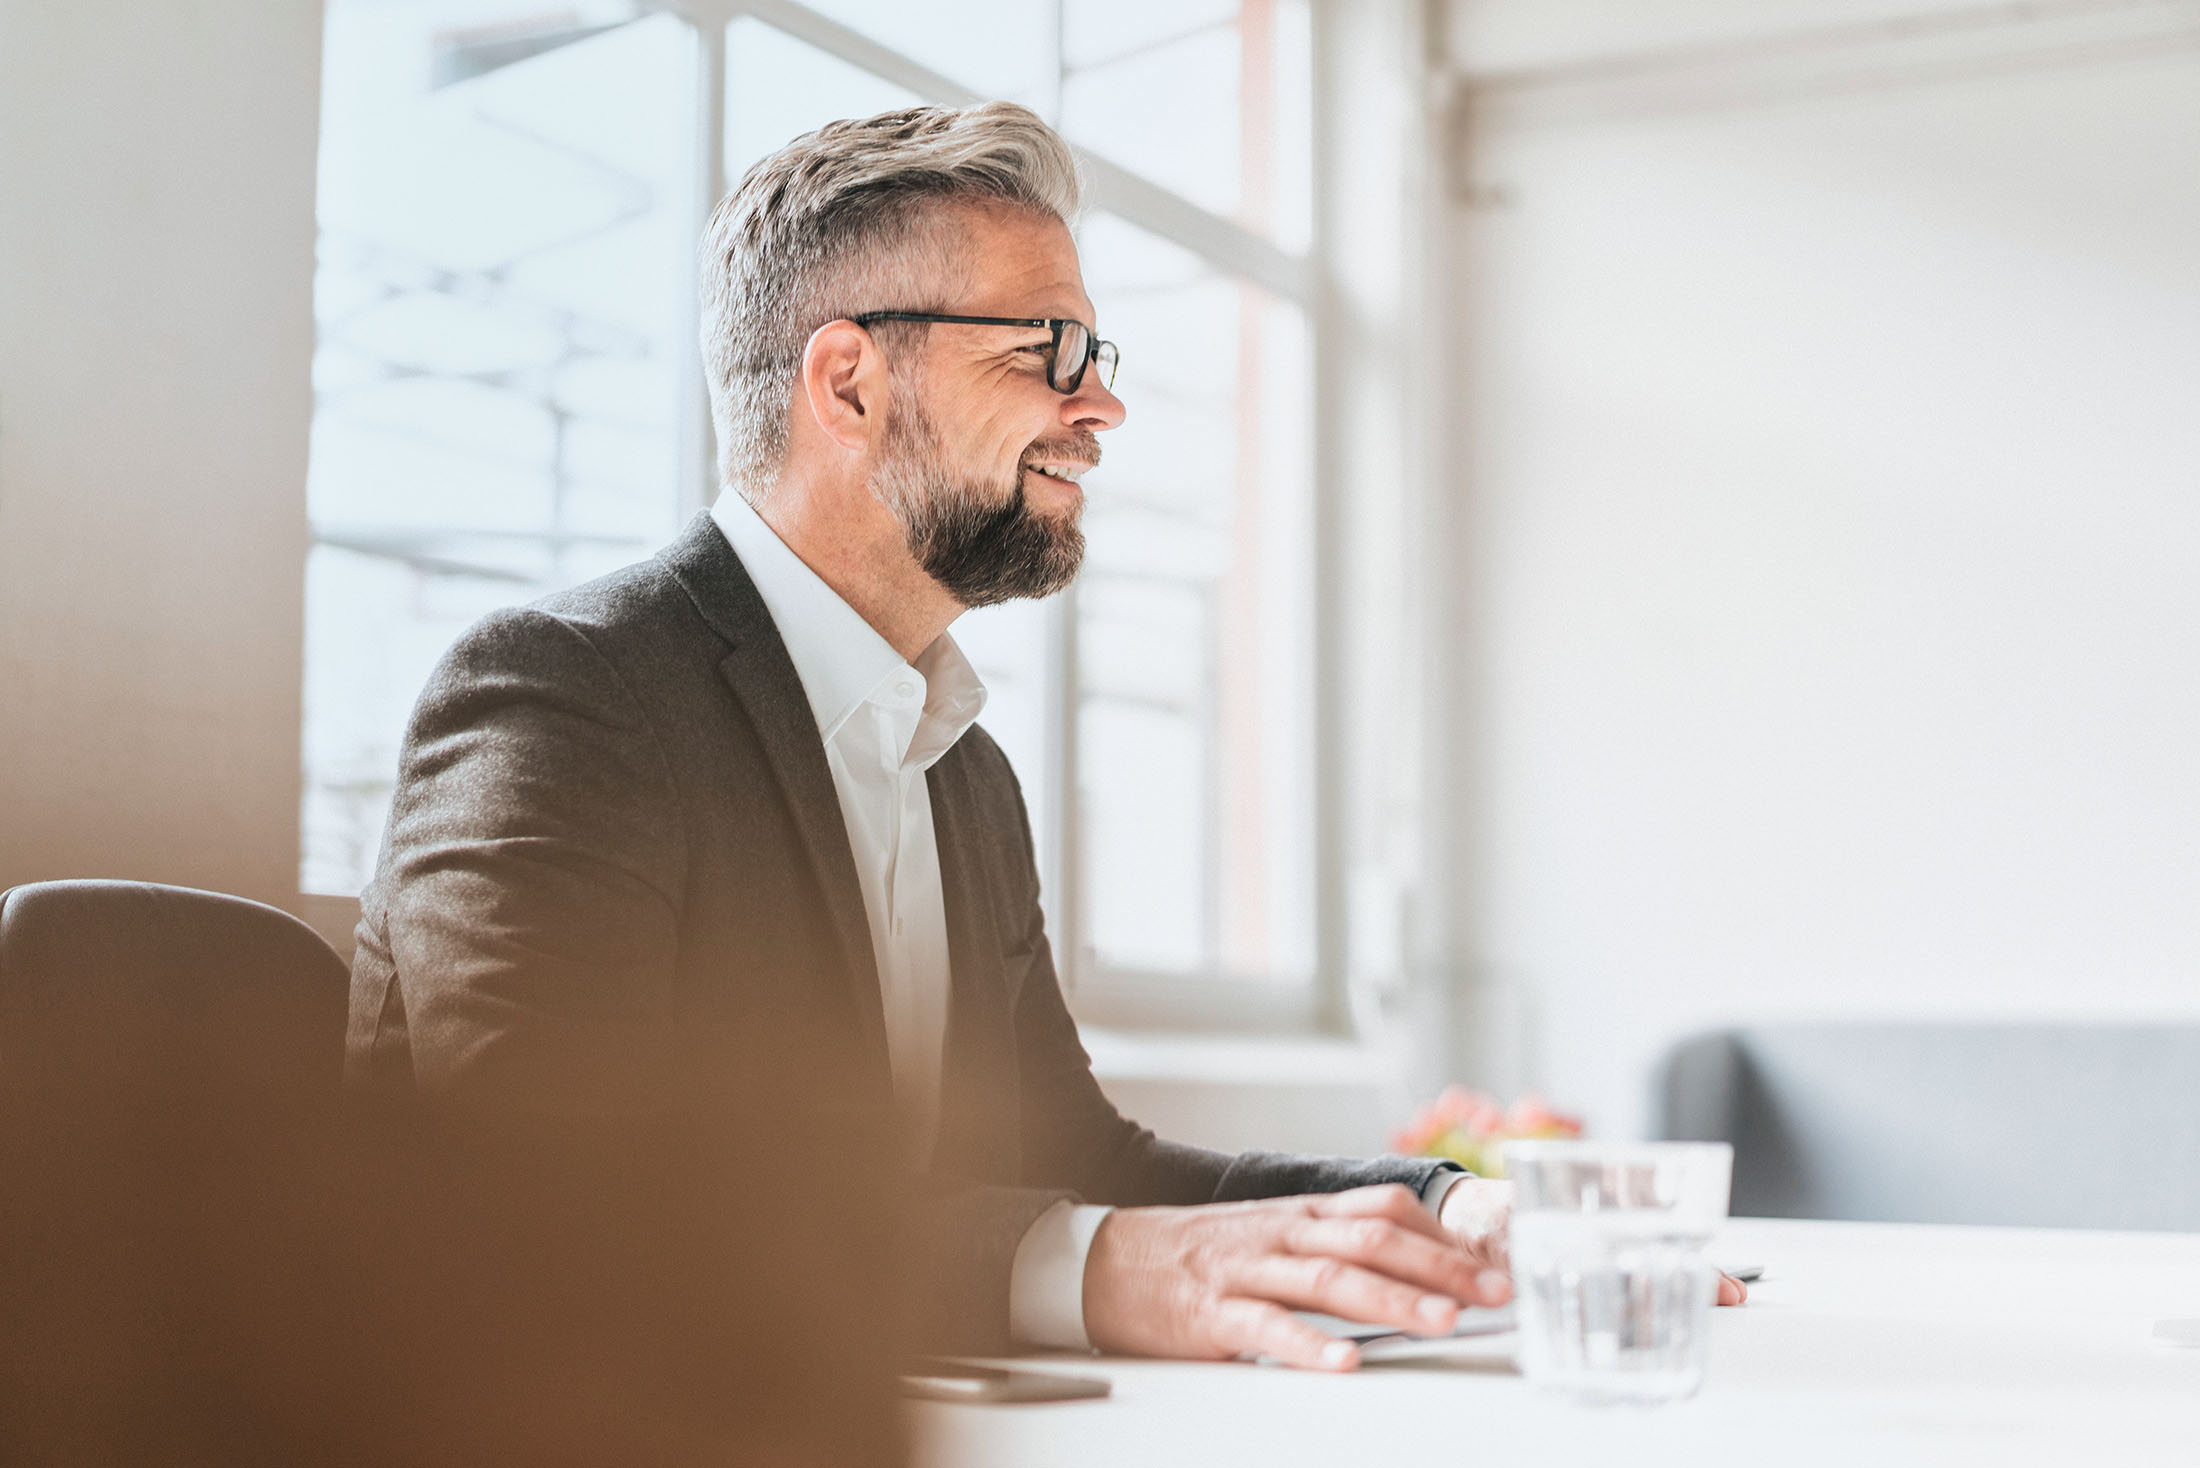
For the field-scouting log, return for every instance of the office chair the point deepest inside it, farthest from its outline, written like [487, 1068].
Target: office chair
[109, 985]
[172, 1281]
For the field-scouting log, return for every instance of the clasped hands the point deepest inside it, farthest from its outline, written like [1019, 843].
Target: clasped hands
[1217, 1281]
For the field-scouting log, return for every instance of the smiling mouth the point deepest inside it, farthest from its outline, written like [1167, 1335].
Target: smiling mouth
[1067, 473]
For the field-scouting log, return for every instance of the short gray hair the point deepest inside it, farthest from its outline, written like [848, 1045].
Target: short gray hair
[847, 219]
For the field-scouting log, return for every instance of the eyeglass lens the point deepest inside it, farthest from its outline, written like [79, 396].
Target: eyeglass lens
[1075, 353]
[1070, 355]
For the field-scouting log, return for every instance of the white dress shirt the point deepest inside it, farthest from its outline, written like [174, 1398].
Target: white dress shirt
[885, 722]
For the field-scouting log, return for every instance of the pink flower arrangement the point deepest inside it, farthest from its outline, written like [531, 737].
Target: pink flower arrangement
[1471, 1129]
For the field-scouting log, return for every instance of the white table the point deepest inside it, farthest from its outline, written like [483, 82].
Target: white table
[1865, 1345]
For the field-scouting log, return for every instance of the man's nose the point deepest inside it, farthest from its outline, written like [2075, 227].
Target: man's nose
[1093, 407]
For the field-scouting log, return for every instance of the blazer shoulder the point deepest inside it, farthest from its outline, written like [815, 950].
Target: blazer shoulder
[534, 650]
[603, 652]
[644, 599]
[614, 637]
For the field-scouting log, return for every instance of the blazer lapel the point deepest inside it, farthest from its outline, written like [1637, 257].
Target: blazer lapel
[978, 1088]
[762, 677]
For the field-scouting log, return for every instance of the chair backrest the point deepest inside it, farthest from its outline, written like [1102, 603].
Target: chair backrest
[172, 1278]
[209, 1254]
[125, 984]
[2043, 1125]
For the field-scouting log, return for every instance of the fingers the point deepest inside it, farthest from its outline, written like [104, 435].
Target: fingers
[1492, 1287]
[1377, 1244]
[1387, 1230]
[1478, 1214]
[1332, 1285]
[1401, 1205]
[1731, 1290]
[1255, 1327]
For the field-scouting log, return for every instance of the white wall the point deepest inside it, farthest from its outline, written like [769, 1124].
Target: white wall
[156, 335]
[1829, 474]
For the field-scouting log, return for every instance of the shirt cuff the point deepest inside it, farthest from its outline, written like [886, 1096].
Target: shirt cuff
[1439, 1184]
[1046, 1284]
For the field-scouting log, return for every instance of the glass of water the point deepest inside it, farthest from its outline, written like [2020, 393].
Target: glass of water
[1610, 1275]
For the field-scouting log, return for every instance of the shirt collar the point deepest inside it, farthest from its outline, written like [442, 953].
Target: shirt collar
[953, 698]
[840, 658]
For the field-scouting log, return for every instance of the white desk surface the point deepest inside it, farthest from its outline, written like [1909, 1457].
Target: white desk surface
[1865, 1345]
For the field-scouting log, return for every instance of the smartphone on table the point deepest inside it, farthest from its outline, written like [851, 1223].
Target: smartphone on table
[938, 1379]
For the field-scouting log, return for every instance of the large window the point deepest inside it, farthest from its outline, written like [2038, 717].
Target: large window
[507, 403]
[507, 203]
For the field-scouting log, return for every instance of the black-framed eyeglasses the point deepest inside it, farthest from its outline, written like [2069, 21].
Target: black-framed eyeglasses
[1072, 349]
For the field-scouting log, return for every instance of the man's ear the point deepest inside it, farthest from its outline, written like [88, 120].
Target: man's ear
[844, 384]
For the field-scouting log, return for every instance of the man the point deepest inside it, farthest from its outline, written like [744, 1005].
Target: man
[731, 803]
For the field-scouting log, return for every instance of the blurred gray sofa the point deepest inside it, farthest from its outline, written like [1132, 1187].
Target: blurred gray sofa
[2046, 1125]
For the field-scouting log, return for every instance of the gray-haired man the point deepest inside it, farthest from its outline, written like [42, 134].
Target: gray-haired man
[735, 796]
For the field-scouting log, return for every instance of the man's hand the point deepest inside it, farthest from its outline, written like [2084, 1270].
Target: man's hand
[1222, 1280]
[1478, 1211]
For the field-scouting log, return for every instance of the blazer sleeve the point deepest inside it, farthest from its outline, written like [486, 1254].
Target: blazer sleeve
[524, 914]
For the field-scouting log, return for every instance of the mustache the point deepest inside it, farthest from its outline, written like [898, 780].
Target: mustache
[1080, 444]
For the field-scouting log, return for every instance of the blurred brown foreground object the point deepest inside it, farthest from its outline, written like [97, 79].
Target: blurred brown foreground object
[209, 1255]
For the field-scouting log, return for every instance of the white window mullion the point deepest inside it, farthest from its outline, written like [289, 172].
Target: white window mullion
[699, 469]
[857, 49]
[1222, 242]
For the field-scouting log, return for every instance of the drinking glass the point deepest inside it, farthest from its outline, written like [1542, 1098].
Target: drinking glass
[1613, 1284]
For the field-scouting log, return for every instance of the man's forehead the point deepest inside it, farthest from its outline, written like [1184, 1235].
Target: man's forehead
[1019, 263]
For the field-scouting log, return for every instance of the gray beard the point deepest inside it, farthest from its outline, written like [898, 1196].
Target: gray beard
[983, 545]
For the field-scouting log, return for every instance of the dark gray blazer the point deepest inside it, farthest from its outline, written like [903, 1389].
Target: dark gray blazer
[616, 862]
